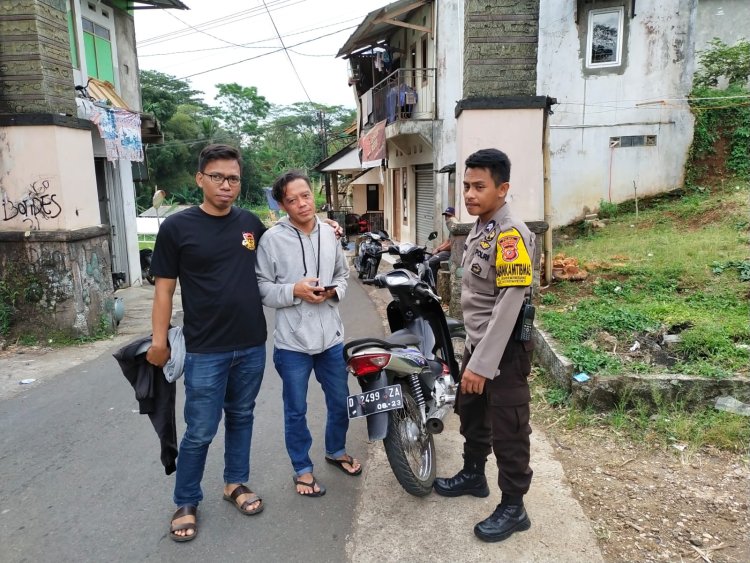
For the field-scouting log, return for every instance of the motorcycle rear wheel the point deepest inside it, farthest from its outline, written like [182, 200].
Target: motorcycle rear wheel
[410, 449]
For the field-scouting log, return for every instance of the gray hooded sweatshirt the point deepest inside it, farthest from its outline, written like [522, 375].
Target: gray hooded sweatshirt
[285, 256]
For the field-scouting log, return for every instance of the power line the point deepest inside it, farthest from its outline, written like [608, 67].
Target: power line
[288, 56]
[265, 54]
[203, 32]
[218, 22]
[248, 45]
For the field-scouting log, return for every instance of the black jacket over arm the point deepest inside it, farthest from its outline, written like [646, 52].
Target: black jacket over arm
[155, 396]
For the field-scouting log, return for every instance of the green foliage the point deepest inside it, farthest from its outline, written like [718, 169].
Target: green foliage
[742, 267]
[683, 276]
[607, 209]
[721, 114]
[556, 396]
[720, 60]
[8, 298]
[549, 299]
[272, 139]
[588, 360]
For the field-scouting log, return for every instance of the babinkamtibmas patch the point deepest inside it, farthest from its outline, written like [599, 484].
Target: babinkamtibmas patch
[512, 262]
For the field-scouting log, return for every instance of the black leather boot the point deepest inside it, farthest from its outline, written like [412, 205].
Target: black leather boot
[469, 481]
[504, 522]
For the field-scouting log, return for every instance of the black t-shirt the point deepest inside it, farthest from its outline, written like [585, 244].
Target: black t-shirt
[214, 259]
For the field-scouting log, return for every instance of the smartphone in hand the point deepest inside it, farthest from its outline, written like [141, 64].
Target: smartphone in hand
[329, 287]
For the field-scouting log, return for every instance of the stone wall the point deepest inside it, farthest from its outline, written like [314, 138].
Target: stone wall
[501, 39]
[61, 281]
[35, 69]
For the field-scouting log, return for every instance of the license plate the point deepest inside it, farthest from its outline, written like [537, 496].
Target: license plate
[378, 400]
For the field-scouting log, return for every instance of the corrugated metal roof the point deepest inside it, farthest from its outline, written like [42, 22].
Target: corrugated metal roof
[373, 28]
[103, 90]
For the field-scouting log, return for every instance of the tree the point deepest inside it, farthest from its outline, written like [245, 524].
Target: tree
[240, 110]
[163, 93]
[720, 60]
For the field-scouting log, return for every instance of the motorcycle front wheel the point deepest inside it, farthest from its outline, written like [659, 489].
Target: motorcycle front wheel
[410, 449]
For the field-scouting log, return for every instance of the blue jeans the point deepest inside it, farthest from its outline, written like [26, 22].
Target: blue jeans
[224, 379]
[330, 371]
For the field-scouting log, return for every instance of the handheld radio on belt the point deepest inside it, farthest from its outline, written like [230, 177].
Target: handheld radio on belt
[525, 321]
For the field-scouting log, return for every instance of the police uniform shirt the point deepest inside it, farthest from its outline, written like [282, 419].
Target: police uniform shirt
[497, 275]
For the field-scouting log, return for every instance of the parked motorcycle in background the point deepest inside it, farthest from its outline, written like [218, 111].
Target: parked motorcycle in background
[367, 260]
[415, 259]
[409, 380]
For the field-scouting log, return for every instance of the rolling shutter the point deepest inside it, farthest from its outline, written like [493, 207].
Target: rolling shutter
[425, 180]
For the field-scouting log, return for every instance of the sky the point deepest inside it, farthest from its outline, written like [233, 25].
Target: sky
[191, 44]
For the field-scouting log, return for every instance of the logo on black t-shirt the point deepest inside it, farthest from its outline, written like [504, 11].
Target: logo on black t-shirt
[248, 241]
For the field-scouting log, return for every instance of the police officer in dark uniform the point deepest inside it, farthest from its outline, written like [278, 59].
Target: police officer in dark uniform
[493, 400]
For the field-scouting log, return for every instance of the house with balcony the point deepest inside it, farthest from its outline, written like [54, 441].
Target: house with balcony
[435, 80]
[402, 61]
[72, 130]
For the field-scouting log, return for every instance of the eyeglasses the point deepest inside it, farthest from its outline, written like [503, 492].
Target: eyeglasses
[218, 179]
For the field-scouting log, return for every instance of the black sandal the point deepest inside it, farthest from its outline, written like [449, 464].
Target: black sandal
[340, 464]
[187, 510]
[314, 493]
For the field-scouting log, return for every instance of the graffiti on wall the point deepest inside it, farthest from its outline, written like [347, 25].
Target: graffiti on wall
[38, 204]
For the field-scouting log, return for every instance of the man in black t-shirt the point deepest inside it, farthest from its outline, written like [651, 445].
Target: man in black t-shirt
[211, 249]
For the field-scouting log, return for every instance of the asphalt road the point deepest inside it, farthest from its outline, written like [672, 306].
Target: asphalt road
[82, 480]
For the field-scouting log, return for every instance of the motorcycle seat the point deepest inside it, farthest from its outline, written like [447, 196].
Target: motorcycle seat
[357, 345]
[403, 337]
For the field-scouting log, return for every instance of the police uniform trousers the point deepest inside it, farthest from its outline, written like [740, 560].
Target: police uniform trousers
[498, 419]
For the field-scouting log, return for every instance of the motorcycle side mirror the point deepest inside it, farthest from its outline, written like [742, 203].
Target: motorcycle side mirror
[433, 235]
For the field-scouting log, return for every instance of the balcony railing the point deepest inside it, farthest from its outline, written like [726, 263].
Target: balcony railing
[405, 94]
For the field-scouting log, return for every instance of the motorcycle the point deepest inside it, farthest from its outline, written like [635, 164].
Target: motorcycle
[146, 254]
[415, 259]
[409, 380]
[367, 260]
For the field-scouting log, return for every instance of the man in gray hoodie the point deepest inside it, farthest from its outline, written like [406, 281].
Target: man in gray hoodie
[302, 273]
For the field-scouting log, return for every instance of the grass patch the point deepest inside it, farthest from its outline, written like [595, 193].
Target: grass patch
[659, 426]
[681, 268]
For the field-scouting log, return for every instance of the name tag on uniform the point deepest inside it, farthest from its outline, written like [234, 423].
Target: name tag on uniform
[512, 260]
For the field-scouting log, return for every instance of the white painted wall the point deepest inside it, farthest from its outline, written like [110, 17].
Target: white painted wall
[644, 97]
[47, 179]
[448, 81]
[518, 133]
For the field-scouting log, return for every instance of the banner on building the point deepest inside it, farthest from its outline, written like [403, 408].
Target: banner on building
[372, 145]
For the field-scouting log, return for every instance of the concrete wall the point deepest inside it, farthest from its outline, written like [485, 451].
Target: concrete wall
[729, 20]
[518, 133]
[47, 179]
[127, 57]
[63, 281]
[642, 97]
[448, 81]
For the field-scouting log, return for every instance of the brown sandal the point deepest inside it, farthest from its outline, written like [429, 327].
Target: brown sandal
[243, 490]
[187, 510]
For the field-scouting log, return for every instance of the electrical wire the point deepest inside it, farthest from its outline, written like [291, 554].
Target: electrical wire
[248, 45]
[288, 56]
[218, 22]
[265, 54]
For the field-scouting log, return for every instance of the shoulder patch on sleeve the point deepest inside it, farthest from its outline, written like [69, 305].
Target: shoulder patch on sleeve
[512, 262]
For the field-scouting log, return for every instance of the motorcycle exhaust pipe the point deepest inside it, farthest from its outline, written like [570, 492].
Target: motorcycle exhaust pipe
[434, 424]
